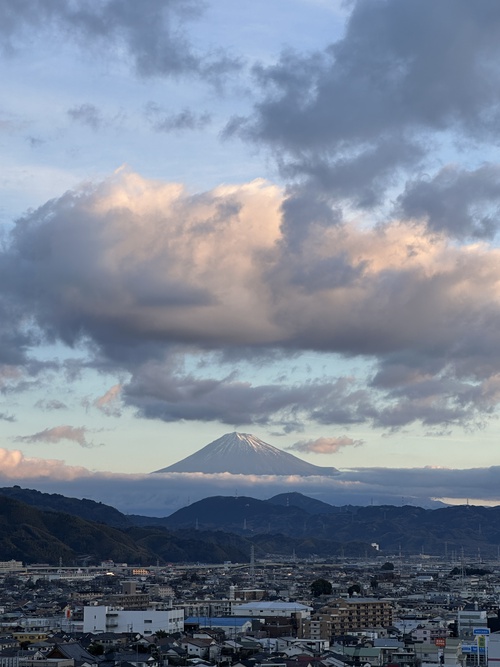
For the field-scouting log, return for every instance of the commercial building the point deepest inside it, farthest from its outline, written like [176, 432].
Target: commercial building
[342, 617]
[102, 618]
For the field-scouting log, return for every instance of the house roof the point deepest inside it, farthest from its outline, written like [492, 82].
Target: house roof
[274, 605]
[72, 651]
[222, 622]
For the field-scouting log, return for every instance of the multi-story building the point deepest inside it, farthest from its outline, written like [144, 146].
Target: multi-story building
[342, 617]
[129, 597]
[146, 622]
[264, 609]
[469, 620]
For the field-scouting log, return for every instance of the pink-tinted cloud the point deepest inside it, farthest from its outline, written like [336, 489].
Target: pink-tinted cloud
[143, 269]
[58, 433]
[109, 403]
[324, 445]
[14, 465]
[161, 494]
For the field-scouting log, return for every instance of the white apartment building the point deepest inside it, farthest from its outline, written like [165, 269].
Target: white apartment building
[146, 622]
[262, 609]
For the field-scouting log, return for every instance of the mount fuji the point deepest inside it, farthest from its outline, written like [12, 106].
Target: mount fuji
[244, 454]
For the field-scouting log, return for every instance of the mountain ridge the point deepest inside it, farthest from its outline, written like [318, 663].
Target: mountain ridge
[33, 535]
[224, 527]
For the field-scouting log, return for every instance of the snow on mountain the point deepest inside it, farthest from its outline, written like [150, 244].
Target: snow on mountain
[244, 454]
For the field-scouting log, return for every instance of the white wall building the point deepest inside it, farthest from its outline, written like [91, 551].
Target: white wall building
[146, 622]
[469, 620]
[494, 649]
[261, 609]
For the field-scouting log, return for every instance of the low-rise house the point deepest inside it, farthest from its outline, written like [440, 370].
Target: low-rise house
[232, 626]
[201, 648]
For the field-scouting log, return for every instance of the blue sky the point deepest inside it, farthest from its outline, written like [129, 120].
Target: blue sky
[277, 218]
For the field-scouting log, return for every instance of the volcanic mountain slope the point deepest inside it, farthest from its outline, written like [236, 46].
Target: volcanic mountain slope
[244, 454]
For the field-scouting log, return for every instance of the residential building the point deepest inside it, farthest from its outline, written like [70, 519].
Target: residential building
[146, 622]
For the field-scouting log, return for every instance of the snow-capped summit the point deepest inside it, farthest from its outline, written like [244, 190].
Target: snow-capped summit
[244, 454]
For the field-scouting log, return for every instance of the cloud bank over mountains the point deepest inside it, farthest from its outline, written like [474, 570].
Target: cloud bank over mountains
[162, 494]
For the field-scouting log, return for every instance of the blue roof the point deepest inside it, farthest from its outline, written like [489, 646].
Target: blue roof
[207, 621]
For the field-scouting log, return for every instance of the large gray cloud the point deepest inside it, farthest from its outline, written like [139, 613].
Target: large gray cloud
[150, 33]
[457, 201]
[143, 273]
[360, 115]
[160, 394]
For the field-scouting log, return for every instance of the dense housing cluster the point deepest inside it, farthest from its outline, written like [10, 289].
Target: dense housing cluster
[410, 612]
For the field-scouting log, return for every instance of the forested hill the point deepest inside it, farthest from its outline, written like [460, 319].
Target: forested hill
[309, 526]
[33, 535]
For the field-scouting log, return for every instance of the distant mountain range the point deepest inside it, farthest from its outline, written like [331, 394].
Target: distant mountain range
[244, 454]
[41, 527]
[37, 526]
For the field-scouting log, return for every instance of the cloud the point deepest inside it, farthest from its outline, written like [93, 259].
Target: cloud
[160, 393]
[324, 445]
[26, 374]
[58, 433]
[150, 34]
[109, 403]
[133, 262]
[145, 275]
[161, 121]
[51, 404]
[460, 202]
[87, 114]
[14, 465]
[7, 417]
[162, 494]
[358, 116]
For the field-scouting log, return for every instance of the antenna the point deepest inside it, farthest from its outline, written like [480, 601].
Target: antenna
[252, 564]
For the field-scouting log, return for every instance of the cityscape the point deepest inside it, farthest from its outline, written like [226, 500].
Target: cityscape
[410, 611]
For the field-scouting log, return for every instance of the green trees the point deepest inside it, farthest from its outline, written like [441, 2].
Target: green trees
[354, 589]
[321, 587]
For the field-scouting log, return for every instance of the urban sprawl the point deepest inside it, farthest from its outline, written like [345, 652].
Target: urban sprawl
[417, 611]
